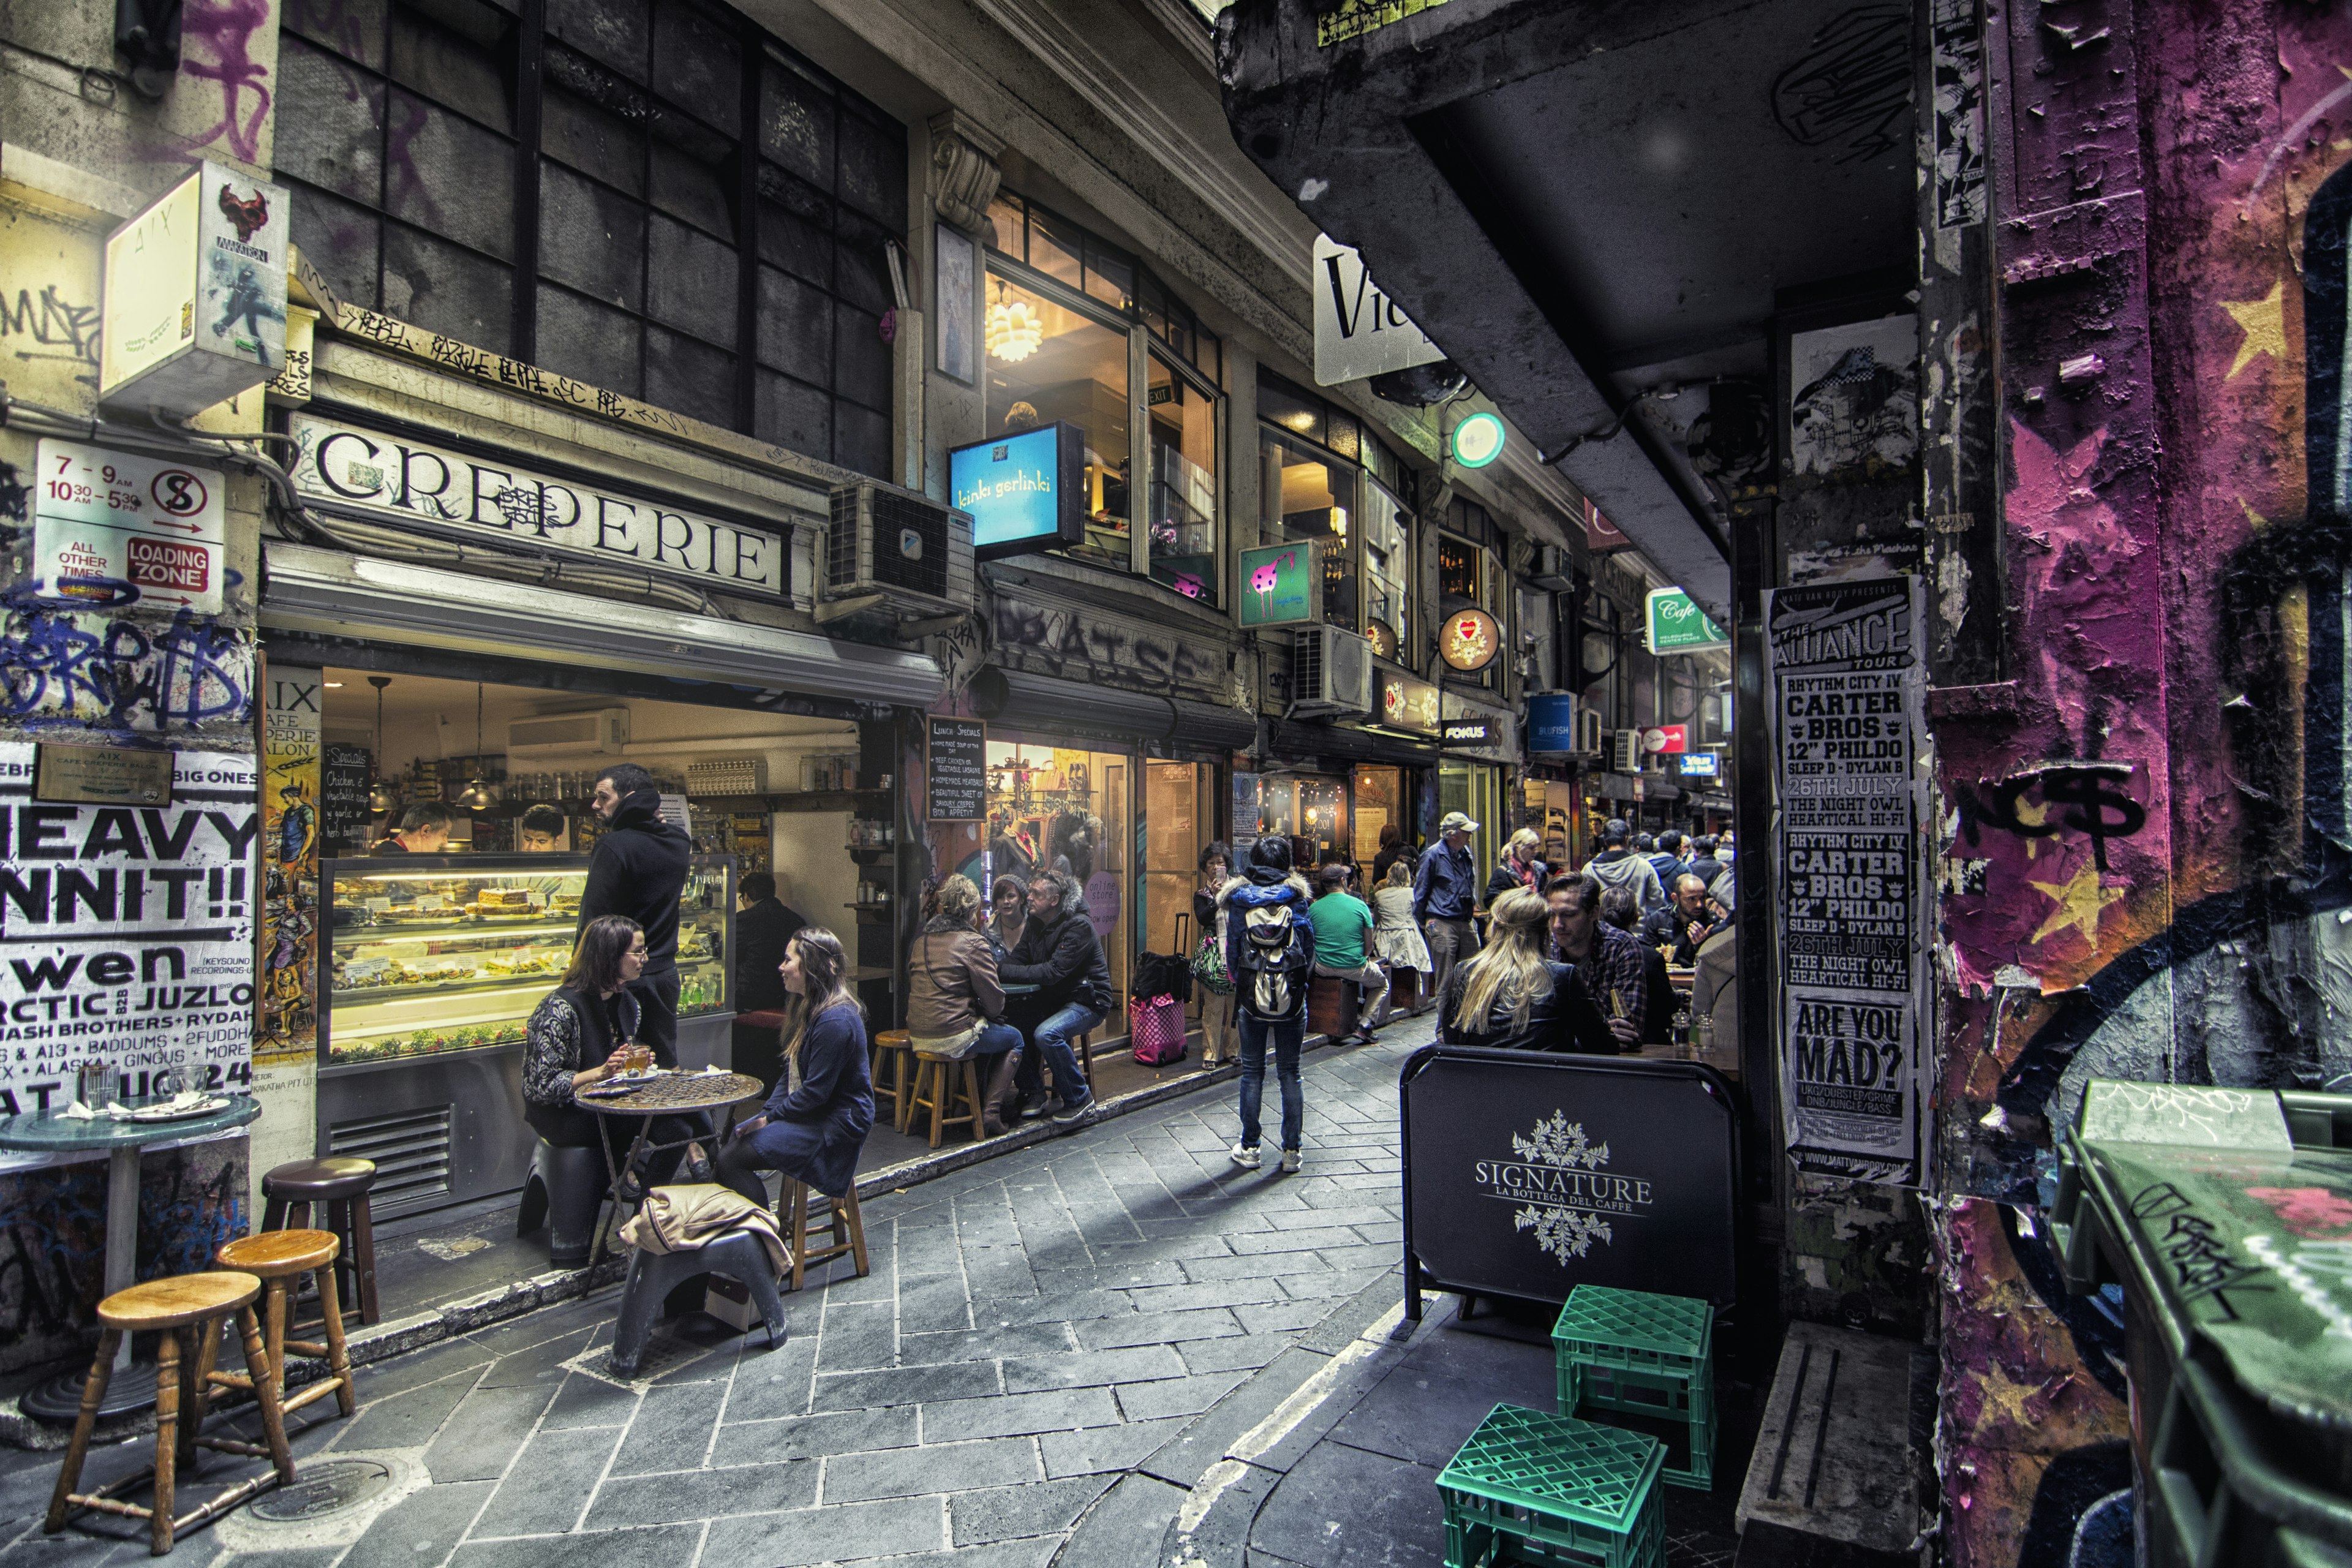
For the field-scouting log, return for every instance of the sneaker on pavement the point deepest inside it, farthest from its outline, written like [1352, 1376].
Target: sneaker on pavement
[1245, 1155]
[1078, 1115]
[1289, 1160]
[1036, 1105]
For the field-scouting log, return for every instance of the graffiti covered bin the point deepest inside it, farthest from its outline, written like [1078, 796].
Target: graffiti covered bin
[2223, 1219]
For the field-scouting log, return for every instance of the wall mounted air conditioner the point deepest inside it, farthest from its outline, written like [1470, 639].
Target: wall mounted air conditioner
[1330, 672]
[1592, 737]
[1625, 752]
[912, 552]
[598, 732]
[1548, 568]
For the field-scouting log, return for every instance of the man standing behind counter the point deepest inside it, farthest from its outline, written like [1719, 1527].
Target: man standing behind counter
[638, 869]
[763, 923]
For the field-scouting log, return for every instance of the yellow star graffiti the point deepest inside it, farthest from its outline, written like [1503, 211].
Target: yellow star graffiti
[2081, 901]
[2031, 814]
[2263, 322]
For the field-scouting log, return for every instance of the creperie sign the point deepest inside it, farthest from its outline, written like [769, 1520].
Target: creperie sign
[447, 491]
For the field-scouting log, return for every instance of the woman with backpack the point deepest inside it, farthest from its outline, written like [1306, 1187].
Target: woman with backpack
[1218, 1040]
[1513, 996]
[1269, 952]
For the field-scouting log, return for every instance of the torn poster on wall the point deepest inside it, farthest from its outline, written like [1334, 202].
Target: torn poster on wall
[1847, 719]
[129, 932]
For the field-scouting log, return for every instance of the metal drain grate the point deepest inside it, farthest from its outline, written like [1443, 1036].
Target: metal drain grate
[411, 1151]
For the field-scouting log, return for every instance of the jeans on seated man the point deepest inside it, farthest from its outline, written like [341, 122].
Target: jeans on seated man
[1055, 1040]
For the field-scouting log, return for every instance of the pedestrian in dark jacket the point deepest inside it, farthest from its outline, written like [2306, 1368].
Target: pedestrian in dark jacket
[819, 1112]
[763, 923]
[1518, 867]
[638, 869]
[1704, 865]
[1392, 850]
[1269, 883]
[1060, 954]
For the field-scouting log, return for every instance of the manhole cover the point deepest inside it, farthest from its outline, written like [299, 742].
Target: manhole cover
[323, 1489]
[663, 1353]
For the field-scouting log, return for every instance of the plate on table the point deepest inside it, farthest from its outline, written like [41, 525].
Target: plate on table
[173, 1111]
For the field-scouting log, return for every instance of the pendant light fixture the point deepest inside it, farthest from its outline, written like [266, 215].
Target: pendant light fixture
[479, 794]
[382, 796]
[1016, 327]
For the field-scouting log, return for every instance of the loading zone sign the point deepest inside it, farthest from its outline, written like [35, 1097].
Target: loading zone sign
[113, 529]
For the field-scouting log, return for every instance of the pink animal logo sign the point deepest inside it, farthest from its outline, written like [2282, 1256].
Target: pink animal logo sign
[1263, 581]
[2309, 1211]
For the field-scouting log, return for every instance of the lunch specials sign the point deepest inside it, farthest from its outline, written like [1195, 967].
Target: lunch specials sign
[126, 932]
[1848, 687]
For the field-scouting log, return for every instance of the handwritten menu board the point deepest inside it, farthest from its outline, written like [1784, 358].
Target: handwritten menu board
[343, 800]
[957, 785]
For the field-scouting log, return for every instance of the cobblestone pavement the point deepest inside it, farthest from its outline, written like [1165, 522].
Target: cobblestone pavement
[1031, 1356]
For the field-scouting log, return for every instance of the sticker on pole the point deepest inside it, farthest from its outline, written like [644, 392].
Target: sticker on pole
[116, 529]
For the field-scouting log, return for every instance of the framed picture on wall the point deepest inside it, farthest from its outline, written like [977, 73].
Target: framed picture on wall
[957, 304]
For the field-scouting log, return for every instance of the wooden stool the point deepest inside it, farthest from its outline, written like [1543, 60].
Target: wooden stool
[342, 1185]
[892, 1071]
[841, 1223]
[280, 1259]
[170, 1308]
[1334, 1006]
[938, 1081]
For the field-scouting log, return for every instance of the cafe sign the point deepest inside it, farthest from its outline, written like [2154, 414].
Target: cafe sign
[1672, 623]
[1405, 703]
[1469, 640]
[442, 492]
[1282, 584]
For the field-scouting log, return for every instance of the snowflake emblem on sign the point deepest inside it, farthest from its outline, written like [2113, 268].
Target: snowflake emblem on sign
[1560, 1143]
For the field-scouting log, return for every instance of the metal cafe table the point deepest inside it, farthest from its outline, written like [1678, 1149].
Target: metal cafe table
[668, 1093]
[52, 1132]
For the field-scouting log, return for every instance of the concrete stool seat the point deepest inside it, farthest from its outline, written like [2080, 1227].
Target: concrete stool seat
[171, 1308]
[653, 1276]
[342, 1185]
[840, 1223]
[565, 1192]
[280, 1259]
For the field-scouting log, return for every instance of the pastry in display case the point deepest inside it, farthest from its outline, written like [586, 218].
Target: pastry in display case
[436, 953]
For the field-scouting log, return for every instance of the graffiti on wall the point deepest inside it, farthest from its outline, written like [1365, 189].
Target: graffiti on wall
[1062, 642]
[122, 674]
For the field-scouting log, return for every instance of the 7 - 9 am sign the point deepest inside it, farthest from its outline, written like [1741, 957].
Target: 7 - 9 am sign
[1672, 624]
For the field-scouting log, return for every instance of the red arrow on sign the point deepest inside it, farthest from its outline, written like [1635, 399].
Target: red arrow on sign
[159, 523]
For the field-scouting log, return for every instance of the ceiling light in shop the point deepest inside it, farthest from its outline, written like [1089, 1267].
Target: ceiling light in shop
[1478, 440]
[1014, 328]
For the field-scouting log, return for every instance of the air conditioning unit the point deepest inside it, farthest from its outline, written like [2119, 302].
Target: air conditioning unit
[1591, 738]
[912, 552]
[1625, 752]
[1330, 672]
[596, 731]
[1549, 568]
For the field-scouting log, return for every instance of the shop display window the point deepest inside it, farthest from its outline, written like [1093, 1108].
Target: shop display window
[1184, 501]
[1055, 808]
[1380, 802]
[1177, 806]
[1312, 813]
[1050, 362]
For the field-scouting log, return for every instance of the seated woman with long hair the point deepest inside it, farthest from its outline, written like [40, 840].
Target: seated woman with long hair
[578, 1035]
[955, 1002]
[1511, 995]
[817, 1116]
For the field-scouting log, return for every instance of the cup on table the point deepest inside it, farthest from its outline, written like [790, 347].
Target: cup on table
[641, 1058]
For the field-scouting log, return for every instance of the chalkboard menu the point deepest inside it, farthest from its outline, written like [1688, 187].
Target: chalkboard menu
[343, 800]
[958, 781]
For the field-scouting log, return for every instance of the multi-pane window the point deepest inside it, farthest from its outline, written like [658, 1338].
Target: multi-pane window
[1315, 457]
[1306, 496]
[1064, 313]
[704, 223]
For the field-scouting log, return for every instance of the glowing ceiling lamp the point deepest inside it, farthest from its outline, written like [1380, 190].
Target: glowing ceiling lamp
[1014, 328]
[1478, 440]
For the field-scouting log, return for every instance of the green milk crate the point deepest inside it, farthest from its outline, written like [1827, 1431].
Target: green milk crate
[1641, 1355]
[1534, 1488]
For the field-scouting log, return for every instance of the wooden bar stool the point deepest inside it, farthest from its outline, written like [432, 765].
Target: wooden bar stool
[892, 1071]
[939, 1082]
[280, 1259]
[340, 1185]
[183, 1375]
[840, 1222]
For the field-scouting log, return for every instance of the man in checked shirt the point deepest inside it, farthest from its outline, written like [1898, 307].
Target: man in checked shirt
[1607, 961]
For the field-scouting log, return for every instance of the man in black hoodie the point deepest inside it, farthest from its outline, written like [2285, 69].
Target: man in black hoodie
[638, 869]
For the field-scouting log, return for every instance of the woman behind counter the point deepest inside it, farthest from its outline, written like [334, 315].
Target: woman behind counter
[578, 1035]
[955, 1003]
[817, 1117]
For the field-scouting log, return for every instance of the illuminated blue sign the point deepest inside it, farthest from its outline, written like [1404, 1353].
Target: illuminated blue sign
[1024, 492]
[1700, 765]
[1551, 722]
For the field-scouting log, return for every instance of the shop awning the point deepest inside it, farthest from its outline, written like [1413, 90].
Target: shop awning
[1019, 700]
[329, 594]
[1341, 743]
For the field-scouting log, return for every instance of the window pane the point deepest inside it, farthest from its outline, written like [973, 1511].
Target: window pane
[1298, 415]
[1308, 499]
[690, 281]
[449, 176]
[1004, 230]
[443, 289]
[699, 64]
[874, 170]
[353, 29]
[795, 330]
[861, 441]
[1342, 435]
[1110, 277]
[1387, 565]
[796, 124]
[592, 141]
[793, 414]
[591, 238]
[861, 359]
[692, 377]
[342, 241]
[689, 188]
[460, 71]
[1054, 247]
[614, 31]
[1184, 485]
[341, 110]
[1457, 572]
[1048, 364]
[582, 339]
[795, 244]
[860, 273]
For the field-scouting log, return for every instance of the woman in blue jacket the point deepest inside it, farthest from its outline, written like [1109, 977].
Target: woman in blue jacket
[817, 1117]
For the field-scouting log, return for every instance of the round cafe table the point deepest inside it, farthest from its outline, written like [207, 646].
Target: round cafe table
[673, 1093]
[50, 1133]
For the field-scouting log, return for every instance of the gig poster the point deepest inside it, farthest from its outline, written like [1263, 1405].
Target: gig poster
[292, 830]
[1848, 687]
[127, 933]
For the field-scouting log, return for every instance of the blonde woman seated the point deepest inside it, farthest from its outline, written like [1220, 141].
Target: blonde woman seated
[1512, 996]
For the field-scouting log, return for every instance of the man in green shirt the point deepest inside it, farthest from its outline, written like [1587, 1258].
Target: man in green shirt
[1343, 935]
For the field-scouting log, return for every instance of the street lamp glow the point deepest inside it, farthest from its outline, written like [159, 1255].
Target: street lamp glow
[1478, 440]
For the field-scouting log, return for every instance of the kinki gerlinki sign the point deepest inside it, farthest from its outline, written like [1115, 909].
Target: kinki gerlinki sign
[1358, 330]
[392, 477]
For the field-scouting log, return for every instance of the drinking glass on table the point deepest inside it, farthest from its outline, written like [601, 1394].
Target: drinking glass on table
[641, 1058]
